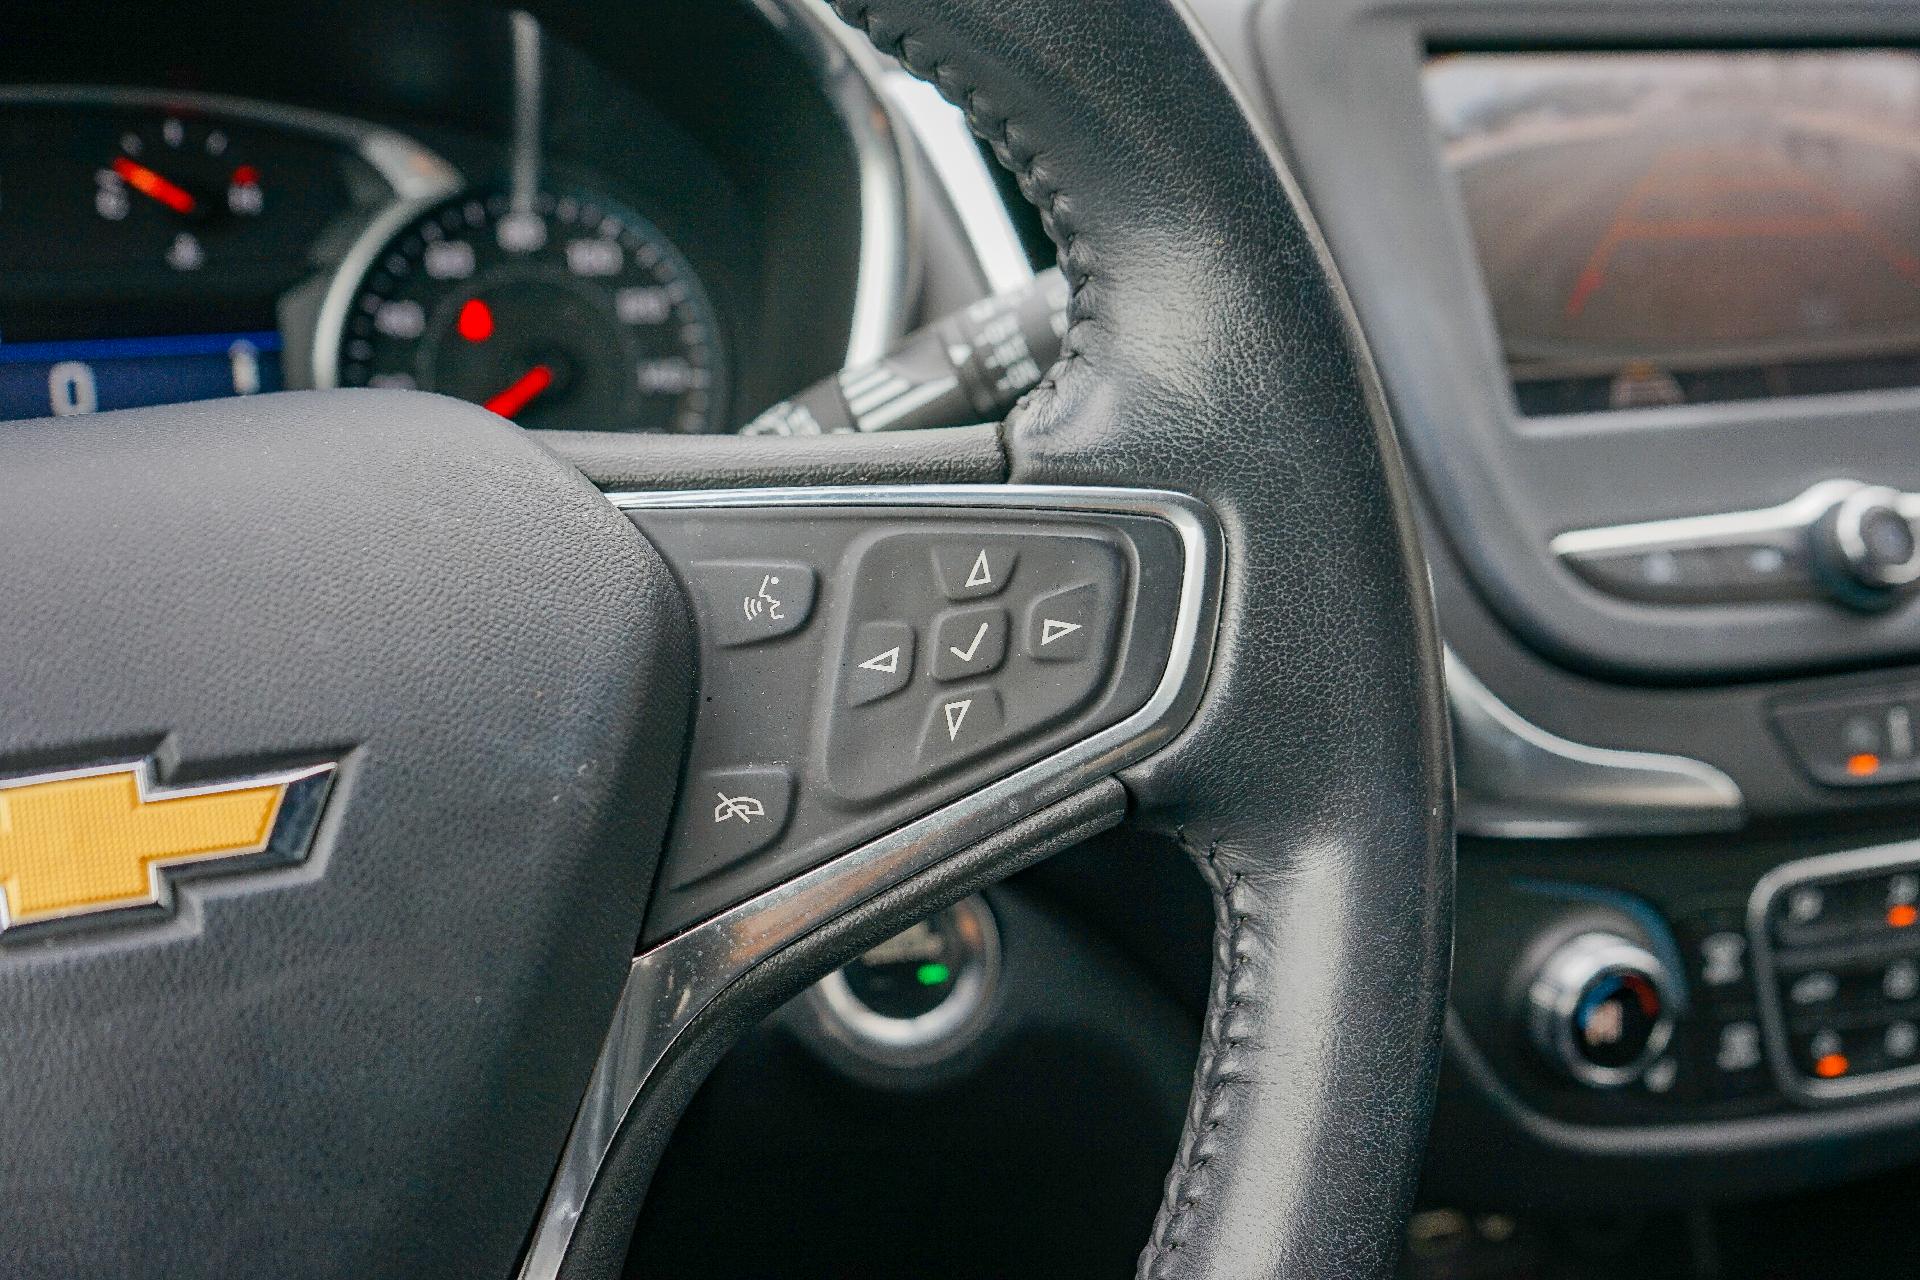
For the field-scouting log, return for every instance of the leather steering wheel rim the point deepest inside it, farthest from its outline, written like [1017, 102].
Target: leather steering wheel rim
[1213, 352]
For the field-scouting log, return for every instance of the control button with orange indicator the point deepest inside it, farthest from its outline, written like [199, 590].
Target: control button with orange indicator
[1826, 1055]
[1870, 740]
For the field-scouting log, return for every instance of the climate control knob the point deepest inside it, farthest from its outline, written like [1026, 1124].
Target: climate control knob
[1864, 547]
[1601, 1009]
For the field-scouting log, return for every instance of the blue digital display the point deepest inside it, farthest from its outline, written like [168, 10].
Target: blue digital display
[91, 375]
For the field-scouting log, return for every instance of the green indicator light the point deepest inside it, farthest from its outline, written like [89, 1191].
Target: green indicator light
[932, 975]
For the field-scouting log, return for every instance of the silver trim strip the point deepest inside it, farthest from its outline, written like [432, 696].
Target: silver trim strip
[850, 74]
[330, 326]
[670, 985]
[529, 109]
[1515, 779]
[1731, 526]
[1760, 946]
[946, 140]
[408, 167]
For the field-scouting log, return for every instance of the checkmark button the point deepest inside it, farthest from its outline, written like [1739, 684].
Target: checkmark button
[969, 642]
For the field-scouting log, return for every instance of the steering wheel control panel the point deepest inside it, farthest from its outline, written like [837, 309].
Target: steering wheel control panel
[1851, 544]
[862, 666]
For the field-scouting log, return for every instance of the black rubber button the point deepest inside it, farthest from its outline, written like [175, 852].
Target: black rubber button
[748, 601]
[878, 663]
[961, 723]
[730, 815]
[1061, 625]
[973, 570]
[968, 643]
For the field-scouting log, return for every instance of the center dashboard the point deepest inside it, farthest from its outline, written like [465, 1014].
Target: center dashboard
[1640, 281]
[479, 209]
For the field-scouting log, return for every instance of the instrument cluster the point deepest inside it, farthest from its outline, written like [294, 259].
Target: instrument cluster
[161, 245]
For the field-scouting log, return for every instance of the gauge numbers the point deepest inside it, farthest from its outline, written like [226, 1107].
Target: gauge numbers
[568, 314]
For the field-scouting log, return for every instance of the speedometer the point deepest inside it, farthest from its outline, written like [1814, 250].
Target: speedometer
[566, 313]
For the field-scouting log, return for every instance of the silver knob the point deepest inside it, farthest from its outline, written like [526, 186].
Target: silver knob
[1601, 1009]
[1867, 538]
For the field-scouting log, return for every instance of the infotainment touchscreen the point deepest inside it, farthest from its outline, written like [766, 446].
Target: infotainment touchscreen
[1673, 228]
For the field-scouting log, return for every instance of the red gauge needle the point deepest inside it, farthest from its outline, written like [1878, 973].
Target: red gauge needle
[148, 183]
[522, 391]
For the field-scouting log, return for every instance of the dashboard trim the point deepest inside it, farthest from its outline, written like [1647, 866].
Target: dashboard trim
[411, 169]
[850, 74]
[1515, 779]
[671, 984]
[1796, 515]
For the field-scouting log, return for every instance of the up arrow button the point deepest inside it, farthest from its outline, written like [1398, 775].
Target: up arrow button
[972, 570]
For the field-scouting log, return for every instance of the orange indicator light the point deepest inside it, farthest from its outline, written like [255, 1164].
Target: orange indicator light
[1864, 765]
[1832, 1065]
[1902, 915]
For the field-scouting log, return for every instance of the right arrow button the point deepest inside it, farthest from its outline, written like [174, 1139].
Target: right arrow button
[1063, 625]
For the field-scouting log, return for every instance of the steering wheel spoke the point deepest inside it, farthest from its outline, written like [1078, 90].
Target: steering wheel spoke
[889, 676]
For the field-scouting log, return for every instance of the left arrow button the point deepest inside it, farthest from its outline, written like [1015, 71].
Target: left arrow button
[878, 663]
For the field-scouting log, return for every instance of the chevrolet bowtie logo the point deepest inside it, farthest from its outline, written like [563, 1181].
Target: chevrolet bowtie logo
[110, 838]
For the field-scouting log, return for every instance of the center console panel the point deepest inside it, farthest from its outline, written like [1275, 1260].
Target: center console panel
[1344, 80]
[1684, 638]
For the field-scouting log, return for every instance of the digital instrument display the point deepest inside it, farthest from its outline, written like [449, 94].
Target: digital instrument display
[1673, 228]
[156, 249]
[94, 375]
[144, 250]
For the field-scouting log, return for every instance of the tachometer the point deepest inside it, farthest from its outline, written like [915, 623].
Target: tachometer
[567, 313]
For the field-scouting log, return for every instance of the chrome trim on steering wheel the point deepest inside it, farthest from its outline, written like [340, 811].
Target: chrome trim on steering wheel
[670, 985]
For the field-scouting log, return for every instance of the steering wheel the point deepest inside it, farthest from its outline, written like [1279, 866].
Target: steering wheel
[342, 735]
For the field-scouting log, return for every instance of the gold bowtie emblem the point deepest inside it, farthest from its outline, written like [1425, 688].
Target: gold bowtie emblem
[83, 841]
